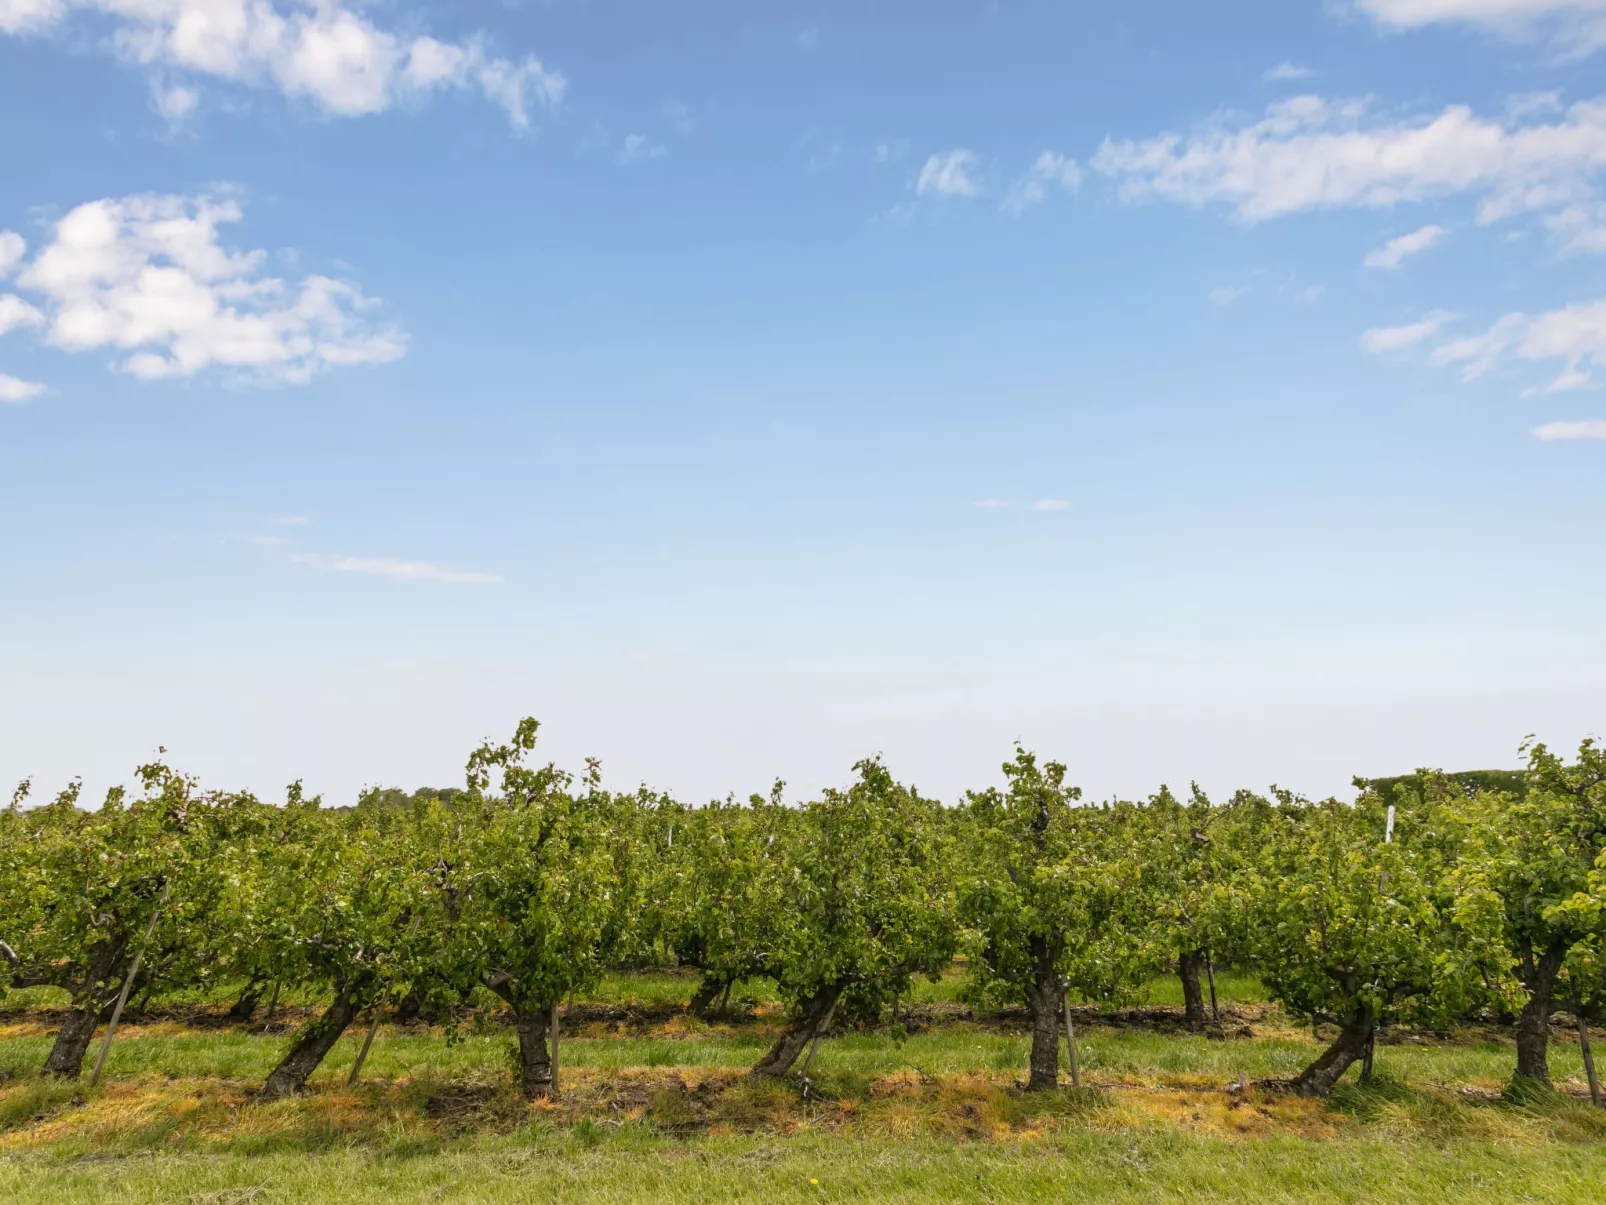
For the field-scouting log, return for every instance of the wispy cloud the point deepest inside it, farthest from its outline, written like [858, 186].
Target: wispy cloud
[1050, 168]
[1308, 153]
[637, 147]
[292, 521]
[1390, 338]
[1589, 428]
[991, 504]
[1576, 27]
[1051, 504]
[949, 174]
[15, 390]
[1394, 252]
[1223, 295]
[396, 570]
[1286, 71]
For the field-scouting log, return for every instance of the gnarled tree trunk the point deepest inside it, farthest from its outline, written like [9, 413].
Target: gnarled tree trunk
[1189, 964]
[1318, 1079]
[66, 1058]
[1043, 995]
[708, 991]
[250, 996]
[816, 1009]
[310, 1049]
[1538, 975]
[532, 1021]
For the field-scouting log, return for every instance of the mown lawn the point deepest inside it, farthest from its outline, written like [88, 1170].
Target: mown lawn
[656, 1108]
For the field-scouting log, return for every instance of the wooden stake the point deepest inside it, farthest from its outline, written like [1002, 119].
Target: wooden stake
[362, 1055]
[1210, 974]
[273, 1003]
[1070, 1042]
[554, 1026]
[128, 985]
[1589, 1063]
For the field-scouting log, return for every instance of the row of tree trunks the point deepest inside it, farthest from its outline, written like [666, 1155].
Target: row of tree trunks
[811, 1018]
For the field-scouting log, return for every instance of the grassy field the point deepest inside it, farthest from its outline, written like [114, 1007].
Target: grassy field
[656, 1108]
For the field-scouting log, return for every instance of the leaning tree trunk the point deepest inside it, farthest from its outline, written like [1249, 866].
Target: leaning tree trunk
[1043, 1001]
[1318, 1079]
[1189, 964]
[66, 1058]
[708, 991]
[816, 1009]
[1538, 975]
[91, 1003]
[310, 1049]
[246, 1006]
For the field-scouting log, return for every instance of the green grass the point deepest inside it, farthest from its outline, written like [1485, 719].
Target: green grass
[619, 1164]
[656, 1109]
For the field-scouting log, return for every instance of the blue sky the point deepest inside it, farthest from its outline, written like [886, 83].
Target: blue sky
[744, 389]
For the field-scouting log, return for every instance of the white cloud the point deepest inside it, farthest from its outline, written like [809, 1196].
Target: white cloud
[147, 276]
[1286, 71]
[396, 570]
[15, 312]
[292, 521]
[992, 504]
[636, 147]
[12, 247]
[1311, 294]
[174, 102]
[1578, 26]
[948, 174]
[1391, 338]
[1580, 227]
[1032, 188]
[317, 50]
[1051, 504]
[1573, 334]
[1308, 153]
[13, 389]
[1589, 428]
[1392, 253]
[1223, 295]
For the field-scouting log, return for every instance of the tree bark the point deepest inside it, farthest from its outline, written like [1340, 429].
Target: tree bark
[66, 1058]
[1189, 964]
[1043, 1002]
[1538, 975]
[309, 1050]
[1318, 1079]
[532, 1021]
[816, 1009]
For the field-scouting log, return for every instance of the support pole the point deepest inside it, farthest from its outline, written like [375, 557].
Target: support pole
[1589, 1062]
[1070, 1042]
[1210, 974]
[362, 1055]
[554, 1027]
[128, 985]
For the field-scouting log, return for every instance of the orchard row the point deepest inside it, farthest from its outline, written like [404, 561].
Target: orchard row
[1429, 900]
